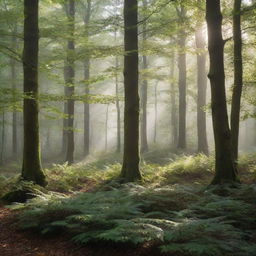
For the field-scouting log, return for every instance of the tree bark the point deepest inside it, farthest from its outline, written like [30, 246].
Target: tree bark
[48, 139]
[156, 113]
[65, 123]
[225, 170]
[14, 87]
[130, 169]
[174, 121]
[238, 77]
[87, 18]
[87, 108]
[106, 129]
[144, 91]
[182, 80]
[2, 139]
[31, 169]
[70, 76]
[201, 92]
[118, 109]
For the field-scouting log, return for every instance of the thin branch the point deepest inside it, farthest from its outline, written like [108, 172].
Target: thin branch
[155, 11]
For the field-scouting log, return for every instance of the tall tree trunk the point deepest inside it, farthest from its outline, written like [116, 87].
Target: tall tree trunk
[225, 171]
[70, 76]
[201, 92]
[130, 169]
[182, 79]
[48, 139]
[65, 123]
[174, 121]
[87, 108]
[14, 80]
[87, 18]
[238, 77]
[156, 113]
[31, 169]
[118, 109]
[2, 139]
[144, 90]
[106, 129]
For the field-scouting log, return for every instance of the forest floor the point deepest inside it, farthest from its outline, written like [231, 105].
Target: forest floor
[15, 242]
[172, 192]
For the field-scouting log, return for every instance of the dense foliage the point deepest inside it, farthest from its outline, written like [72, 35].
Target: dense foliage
[171, 209]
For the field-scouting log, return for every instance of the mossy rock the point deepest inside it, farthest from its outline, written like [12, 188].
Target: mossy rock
[21, 192]
[18, 196]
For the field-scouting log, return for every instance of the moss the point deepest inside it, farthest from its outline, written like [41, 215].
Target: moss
[21, 191]
[17, 196]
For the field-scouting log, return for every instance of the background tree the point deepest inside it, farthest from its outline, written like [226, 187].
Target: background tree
[174, 117]
[181, 12]
[201, 88]
[144, 88]
[69, 79]
[13, 64]
[87, 16]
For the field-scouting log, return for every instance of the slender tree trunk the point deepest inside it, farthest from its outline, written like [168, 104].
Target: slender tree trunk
[156, 114]
[144, 90]
[130, 169]
[65, 123]
[14, 80]
[2, 139]
[225, 171]
[174, 121]
[182, 80]
[238, 77]
[87, 109]
[87, 84]
[70, 76]
[201, 92]
[31, 169]
[48, 139]
[118, 109]
[106, 129]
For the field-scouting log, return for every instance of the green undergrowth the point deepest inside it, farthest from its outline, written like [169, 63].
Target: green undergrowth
[3, 181]
[159, 156]
[65, 178]
[194, 169]
[172, 209]
[177, 219]
[84, 176]
[81, 176]
[17, 190]
[184, 169]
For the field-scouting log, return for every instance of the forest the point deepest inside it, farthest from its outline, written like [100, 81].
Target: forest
[127, 127]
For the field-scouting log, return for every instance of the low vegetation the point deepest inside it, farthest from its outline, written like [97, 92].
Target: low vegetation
[171, 209]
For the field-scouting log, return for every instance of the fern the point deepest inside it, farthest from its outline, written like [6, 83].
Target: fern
[184, 220]
[133, 232]
[205, 237]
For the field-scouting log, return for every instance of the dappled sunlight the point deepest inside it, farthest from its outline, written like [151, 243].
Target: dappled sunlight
[127, 128]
